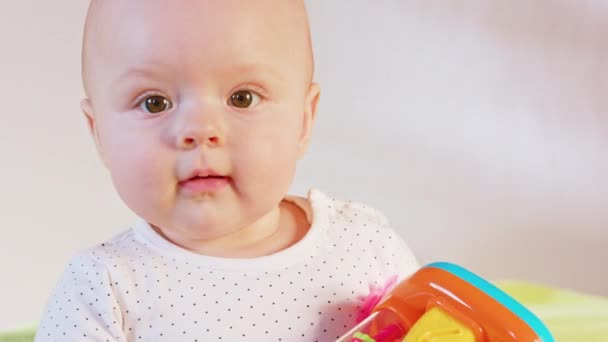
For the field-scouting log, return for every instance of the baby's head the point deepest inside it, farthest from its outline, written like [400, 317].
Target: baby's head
[217, 89]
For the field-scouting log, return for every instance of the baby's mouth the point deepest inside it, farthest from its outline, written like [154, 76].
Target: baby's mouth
[204, 184]
[206, 177]
[204, 181]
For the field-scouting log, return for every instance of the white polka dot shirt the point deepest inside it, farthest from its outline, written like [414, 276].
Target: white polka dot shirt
[140, 287]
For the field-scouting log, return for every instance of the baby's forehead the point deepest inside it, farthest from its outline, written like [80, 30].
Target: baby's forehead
[247, 34]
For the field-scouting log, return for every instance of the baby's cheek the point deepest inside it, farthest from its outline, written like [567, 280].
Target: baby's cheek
[272, 163]
[141, 175]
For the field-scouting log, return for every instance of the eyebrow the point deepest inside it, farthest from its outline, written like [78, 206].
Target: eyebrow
[156, 70]
[266, 70]
[145, 71]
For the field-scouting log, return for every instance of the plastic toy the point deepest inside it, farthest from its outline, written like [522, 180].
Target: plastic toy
[443, 302]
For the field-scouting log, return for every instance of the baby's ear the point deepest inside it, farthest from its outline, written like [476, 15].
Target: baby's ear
[310, 114]
[87, 110]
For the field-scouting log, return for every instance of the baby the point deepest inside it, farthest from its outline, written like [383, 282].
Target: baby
[200, 111]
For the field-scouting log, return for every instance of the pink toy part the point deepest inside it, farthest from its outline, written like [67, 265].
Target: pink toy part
[376, 293]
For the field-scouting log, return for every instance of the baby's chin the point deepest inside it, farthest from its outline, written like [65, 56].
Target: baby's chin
[203, 223]
[194, 228]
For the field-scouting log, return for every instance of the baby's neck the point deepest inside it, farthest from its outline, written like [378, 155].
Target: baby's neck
[291, 226]
[279, 229]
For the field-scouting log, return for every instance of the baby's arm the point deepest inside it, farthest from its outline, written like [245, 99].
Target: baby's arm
[83, 306]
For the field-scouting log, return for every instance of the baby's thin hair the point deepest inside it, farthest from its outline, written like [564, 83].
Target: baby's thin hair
[92, 23]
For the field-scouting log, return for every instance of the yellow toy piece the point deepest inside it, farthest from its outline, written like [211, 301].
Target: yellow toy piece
[438, 326]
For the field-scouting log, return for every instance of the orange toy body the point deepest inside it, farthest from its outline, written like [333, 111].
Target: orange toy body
[463, 306]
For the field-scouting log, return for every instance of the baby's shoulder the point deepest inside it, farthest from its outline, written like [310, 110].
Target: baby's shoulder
[356, 227]
[354, 220]
[120, 249]
[348, 211]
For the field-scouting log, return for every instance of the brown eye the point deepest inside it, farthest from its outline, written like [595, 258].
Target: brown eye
[156, 104]
[244, 99]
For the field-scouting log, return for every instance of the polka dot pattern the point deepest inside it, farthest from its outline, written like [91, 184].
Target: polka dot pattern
[139, 288]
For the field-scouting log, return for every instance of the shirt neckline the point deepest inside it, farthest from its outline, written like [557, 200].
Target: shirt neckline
[316, 213]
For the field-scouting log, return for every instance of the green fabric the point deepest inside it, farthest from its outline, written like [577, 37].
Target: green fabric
[570, 316]
[20, 335]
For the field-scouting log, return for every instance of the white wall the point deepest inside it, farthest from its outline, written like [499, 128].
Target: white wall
[479, 127]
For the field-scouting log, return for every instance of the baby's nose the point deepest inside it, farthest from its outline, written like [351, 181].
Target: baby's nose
[193, 137]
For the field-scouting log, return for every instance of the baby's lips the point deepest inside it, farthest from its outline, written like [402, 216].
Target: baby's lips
[202, 173]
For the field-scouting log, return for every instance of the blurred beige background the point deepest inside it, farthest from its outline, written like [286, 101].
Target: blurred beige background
[480, 127]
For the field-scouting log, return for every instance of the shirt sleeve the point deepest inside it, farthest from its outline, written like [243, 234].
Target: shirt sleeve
[397, 253]
[82, 307]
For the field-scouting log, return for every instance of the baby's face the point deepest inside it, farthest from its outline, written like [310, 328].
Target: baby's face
[219, 88]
